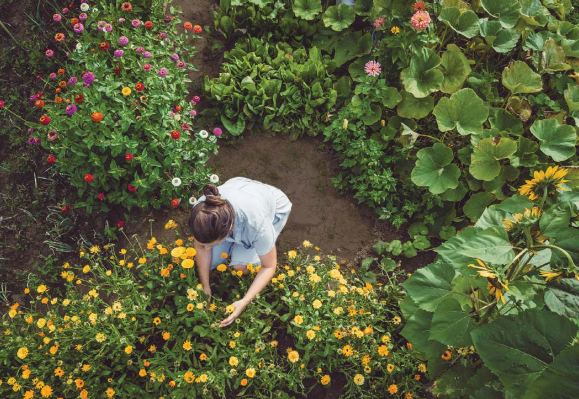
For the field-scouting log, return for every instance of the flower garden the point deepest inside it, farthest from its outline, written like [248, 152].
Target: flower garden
[454, 122]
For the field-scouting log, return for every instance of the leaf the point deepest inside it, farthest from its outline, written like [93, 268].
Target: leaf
[484, 164]
[455, 69]
[490, 245]
[476, 204]
[390, 97]
[363, 7]
[434, 169]
[456, 194]
[518, 348]
[451, 325]
[350, 46]
[506, 122]
[502, 40]
[464, 110]
[416, 331]
[557, 141]
[525, 154]
[414, 108]
[572, 98]
[507, 11]
[447, 232]
[307, 9]
[430, 285]
[380, 247]
[449, 251]
[465, 23]
[372, 114]
[521, 107]
[515, 204]
[421, 243]
[562, 297]
[234, 128]
[338, 17]
[560, 376]
[520, 78]
[554, 219]
[343, 87]
[423, 76]
[553, 57]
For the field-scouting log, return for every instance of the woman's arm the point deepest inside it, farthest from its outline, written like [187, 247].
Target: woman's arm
[263, 277]
[203, 258]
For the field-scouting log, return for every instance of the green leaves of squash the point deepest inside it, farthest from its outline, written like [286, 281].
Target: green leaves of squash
[338, 17]
[520, 78]
[434, 169]
[557, 141]
[464, 110]
[423, 77]
[486, 155]
[307, 9]
[507, 11]
[455, 68]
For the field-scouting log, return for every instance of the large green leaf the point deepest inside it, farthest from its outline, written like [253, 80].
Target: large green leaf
[451, 325]
[507, 11]
[465, 23]
[423, 76]
[562, 297]
[534, 13]
[350, 46]
[307, 9]
[526, 154]
[448, 251]
[484, 164]
[235, 128]
[455, 69]
[502, 40]
[416, 331]
[363, 7]
[557, 141]
[414, 108]
[464, 110]
[518, 348]
[338, 17]
[506, 122]
[572, 98]
[476, 204]
[559, 377]
[434, 169]
[553, 57]
[430, 285]
[520, 78]
[490, 245]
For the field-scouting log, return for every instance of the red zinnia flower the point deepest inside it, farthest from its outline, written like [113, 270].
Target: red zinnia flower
[188, 25]
[127, 7]
[174, 202]
[1, 104]
[419, 6]
[178, 108]
[131, 188]
[101, 196]
[149, 25]
[129, 157]
[65, 208]
[79, 98]
[139, 87]
[44, 120]
[60, 72]
[197, 29]
[59, 37]
[39, 103]
[104, 46]
[38, 95]
[97, 116]
[121, 224]
[74, 21]
[175, 134]
[117, 71]
[88, 178]
[50, 159]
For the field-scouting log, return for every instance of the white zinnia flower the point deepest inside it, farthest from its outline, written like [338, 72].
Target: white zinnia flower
[84, 7]
[214, 178]
[95, 9]
[192, 200]
[204, 134]
[201, 154]
[178, 117]
[78, 45]
[176, 181]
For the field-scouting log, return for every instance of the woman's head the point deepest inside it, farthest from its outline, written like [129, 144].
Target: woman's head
[210, 221]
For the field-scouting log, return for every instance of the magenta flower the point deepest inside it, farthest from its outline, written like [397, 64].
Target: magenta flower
[185, 126]
[181, 65]
[52, 75]
[217, 131]
[49, 53]
[174, 57]
[65, 10]
[147, 67]
[162, 35]
[70, 109]
[108, 27]
[36, 140]
[31, 140]
[78, 28]
[88, 78]
[167, 19]
[118, 53]
[372, 68]
[420, 20]
[101, 25]
[83, 16]
[379, 22]
[140, 49]
[162, 72]
[57, 17]
[72, 81]
[121, 20]
[192, 112]
[136, 23]
[52, 135]
[147, 54]
[195, 99]
[123, 40]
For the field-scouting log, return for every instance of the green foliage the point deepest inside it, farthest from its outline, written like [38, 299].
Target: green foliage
[273, 87]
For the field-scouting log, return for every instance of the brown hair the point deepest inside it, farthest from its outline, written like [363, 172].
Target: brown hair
[210, 221]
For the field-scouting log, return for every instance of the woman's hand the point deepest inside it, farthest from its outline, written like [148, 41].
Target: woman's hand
[239, 308]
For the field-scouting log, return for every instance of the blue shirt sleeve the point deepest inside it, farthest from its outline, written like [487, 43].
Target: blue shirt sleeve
[264, 240]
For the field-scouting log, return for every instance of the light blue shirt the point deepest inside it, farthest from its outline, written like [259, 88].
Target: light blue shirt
[261, 212]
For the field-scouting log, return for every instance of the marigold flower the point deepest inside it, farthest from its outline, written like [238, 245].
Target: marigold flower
[46, 391]
[243, 382]
[233, 361]
[187, 345]
[395, 30]
[22, 353]
[446, 356]
[250, 372]
[359, 379]
[293, 356]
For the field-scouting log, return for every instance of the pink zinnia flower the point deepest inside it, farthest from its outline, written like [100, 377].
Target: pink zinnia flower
[217, 131]
[56, 17]
[78, 28]
[372, 68]
[192, 112]
[420, 20]
[49, 53]
[162, 72]
[379, 22]
[83, 16]
[52, 75]
[147, 67]
[136, 23]
[108, 27]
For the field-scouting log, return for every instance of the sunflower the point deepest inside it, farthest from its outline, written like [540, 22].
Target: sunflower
[544, 181]
[550, 274]
[496, 289]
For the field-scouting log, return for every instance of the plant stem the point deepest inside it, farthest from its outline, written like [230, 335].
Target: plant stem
[571, 263]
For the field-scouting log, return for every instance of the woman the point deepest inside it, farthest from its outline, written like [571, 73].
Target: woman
[243, 219]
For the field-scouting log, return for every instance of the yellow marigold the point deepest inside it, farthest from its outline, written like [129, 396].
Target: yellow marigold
[46, 391]
[110, 392]
[325, 380]
[224, 255]
[190, 307]
[390, 368]
[26, 374]
[311, 334]
[187, 345]
[156, 321]
[392, 389]
[422, 367]
[100, 337]
[359, 379]
[229, 309]
[395, 30]
[243, 382]
[317, 304]
[233, 361]
[187, 264]
[232, 344]
[177, 252]
[53, 349]
[293, 356]
[142, 372]
[250, 372]
[22, 352]
[298, 319]
[347, 351]
[189, 377]
[129, 350]
[79, 383]
[273, 343]
[203, 378]
[85, 367]
[307, 244]
[203, 356]
[41, 289]
[166, 335]
[221, 267]
[292, 254]
[396, 320]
